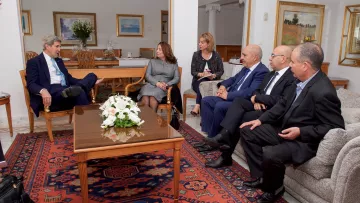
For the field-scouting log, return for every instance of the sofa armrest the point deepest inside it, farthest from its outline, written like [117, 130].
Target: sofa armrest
[209, 88]
[346, 173]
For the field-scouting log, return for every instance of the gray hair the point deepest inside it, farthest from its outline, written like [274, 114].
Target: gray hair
[312, 53]
[50, 40]
[256, 50]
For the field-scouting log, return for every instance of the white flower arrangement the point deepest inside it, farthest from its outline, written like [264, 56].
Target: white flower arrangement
[82, 29]
[120, 111]
[122, 134]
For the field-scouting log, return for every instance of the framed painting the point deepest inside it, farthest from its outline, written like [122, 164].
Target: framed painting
[26, 22]
[354, 43]
[63, 22]
[297, 23]
[129, 25]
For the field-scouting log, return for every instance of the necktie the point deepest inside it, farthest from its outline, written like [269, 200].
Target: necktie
[58, 72]
[241, 81]
[270, 81]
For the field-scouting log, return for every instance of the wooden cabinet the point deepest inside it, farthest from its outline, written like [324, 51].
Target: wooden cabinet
[228, 51]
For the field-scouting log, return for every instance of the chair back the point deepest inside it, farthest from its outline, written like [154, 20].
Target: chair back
[148, 53]
[86, 59]
[29, 55]
[26, 91]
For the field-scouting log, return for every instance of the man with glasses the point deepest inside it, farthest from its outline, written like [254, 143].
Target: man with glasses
[275, 86]
[47, 76]
[290, 132]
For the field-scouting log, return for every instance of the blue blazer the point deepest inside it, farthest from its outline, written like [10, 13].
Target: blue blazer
[251, 83]
[38, 77]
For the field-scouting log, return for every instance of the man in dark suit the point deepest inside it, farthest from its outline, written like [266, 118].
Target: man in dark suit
[50, 84]
[241, 85]
[290, 132]
[275, 86]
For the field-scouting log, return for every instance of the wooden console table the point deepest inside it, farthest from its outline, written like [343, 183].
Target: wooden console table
[6, 100]
[336, 81]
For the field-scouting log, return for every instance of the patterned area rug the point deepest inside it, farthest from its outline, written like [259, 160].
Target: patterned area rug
[51, 174]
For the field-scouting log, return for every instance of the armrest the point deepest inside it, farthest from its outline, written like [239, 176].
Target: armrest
[168, 95]
[209, 88]
[132, 84]
[346, 173]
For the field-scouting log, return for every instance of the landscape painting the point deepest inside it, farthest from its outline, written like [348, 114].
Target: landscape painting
[354, 34]
[298, 23]
[130, 25]
[63, 22]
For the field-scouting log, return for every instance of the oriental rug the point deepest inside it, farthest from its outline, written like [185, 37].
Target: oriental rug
[50, 173]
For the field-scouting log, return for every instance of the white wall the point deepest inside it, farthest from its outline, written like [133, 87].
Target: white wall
[229, 24]
[11, 60]
[262, 33]
[185, 36]
[351, 73]
[42, 21]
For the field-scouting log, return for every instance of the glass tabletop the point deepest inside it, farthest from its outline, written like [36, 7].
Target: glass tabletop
[89, 134]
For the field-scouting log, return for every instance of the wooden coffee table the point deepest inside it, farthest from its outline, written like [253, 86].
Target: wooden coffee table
[91, 142]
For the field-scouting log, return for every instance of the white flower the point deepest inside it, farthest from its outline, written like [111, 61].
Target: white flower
[112, 111]
[134, 117]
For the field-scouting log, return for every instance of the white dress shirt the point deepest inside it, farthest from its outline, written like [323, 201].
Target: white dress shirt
[54, 79]
[281, 73]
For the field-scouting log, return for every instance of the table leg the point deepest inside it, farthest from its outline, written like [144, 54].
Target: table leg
[8, 112]
[176, 171]
[82, 167]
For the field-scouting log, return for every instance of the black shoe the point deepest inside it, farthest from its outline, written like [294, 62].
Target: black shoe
[220, 162]
[220, 139]
[71, 91]
[268, 197]
[254, 183]
[199, 144]
[205, 148]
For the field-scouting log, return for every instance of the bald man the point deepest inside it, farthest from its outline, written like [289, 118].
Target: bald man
[242, 85]
[275, 86]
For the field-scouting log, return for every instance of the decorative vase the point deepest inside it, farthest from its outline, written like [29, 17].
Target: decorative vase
[83, 44]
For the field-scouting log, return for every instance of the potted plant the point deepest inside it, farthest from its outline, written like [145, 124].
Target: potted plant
[82, 30]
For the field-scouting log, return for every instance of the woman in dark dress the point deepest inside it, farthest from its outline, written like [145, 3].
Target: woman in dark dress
[206, 65]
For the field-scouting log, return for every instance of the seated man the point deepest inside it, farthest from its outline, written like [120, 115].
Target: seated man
[290, 132]
[243, 84]
[275, 86]
[47, 76]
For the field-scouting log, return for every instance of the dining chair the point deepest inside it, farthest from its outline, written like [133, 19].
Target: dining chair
[86, 59]
[148, 53]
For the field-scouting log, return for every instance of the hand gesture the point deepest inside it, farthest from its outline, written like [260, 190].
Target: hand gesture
[290, 133]
[223, 95]
[46, 97]
[99, 81]
[252, 99]
[253, 124]
[259, 106]
[161, 85]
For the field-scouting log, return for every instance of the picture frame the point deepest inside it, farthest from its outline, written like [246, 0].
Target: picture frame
[297, 23]
[62, 27]
[354, 33]
[26, 22]
[128, 25]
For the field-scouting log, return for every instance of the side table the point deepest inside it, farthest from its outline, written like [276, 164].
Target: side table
[6, 100]
[336, 81]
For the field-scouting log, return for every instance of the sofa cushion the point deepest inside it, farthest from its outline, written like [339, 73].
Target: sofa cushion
[316, 168]
[351, 115]
[331, 145]
[348, 98]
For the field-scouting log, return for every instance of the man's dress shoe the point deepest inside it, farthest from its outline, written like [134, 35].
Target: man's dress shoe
[72, 91]
[254, 183]
[220, 162]
[220, 139]
[268, 197]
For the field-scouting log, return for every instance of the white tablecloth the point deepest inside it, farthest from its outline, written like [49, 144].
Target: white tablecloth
[133, 62]
[230, 70]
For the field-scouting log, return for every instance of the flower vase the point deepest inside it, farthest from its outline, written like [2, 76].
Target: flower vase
[83, 44]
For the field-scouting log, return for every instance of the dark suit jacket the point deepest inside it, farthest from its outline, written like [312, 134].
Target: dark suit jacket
[281, 88]
[38, 77]
[198, 64]
[249, 85]
[315, 112]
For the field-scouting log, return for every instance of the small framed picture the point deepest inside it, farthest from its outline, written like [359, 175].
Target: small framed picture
[129, 25]
[26, 22]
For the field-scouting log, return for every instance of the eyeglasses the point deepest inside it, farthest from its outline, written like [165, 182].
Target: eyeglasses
[273, 55]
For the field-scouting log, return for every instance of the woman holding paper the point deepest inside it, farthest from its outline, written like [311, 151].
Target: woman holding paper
[206, 65]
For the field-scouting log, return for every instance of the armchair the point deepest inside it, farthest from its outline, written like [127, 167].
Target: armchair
[168, 105]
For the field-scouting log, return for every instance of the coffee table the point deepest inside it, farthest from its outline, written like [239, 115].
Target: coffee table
[92, 142]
